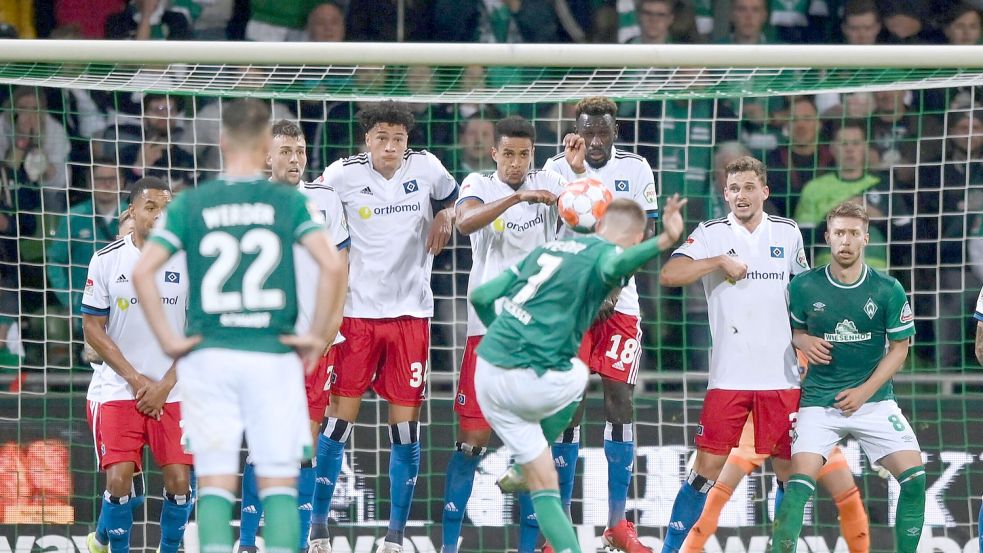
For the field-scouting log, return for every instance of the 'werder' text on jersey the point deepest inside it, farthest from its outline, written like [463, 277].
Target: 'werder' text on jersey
[239, 236]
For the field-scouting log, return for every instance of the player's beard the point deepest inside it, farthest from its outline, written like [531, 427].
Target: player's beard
[598, 164]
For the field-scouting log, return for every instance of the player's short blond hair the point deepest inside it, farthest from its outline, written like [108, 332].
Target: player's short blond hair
[244, 120]
[850, 210]
[748, 164]
[626, 211]
[596, 106]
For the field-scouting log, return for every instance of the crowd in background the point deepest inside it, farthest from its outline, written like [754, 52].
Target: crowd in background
[915, 157]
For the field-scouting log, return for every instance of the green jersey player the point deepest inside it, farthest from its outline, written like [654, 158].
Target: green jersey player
[243, 375]
[854, 325]
[528, 378]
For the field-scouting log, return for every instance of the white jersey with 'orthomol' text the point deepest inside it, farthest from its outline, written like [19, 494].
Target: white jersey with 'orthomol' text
[305, 268]
[513, 235]
[626, 175]
[389, 220]
[109, 292]
[752, 339]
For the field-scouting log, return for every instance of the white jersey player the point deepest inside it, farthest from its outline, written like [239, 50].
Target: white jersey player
[745, 260]
[387, 194]
[507, 214]
[134, 398]
[612, 346]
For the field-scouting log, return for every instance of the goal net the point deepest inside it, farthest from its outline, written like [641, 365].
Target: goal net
[900, 129]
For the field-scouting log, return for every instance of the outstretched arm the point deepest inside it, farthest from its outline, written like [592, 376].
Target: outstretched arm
[483, 298]
[616, 267]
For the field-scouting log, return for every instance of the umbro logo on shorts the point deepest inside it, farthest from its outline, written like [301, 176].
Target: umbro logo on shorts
[121, 279]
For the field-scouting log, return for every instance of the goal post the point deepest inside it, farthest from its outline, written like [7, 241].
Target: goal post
[685, 108]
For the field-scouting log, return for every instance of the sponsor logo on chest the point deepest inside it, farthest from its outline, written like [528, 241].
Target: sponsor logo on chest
[846, 332]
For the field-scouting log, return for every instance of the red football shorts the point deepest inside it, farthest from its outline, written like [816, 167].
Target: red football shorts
[611, 347]
[466, 402]
[392, 356]
[317, 383]
[123, 431]
[726, 411]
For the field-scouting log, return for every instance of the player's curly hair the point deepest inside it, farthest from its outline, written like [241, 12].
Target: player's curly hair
[287, 128]
[850, 210]
[387, 111]
[748, 163]
[596, 106]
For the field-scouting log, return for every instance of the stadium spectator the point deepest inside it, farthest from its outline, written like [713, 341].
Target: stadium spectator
[677, 137]
[508, 21]
[902, 135]
[758, 127]
[861, 22]
[154, 19]
[552, 121]
[377, 20]
[950, 201]
[89, 15]
[35, 145]
[20, 15]
[477, 138]
[963, 25]
[220, 20]
[850, 182]
[655, 18]
[278, 21]
[794, 164]
[906, 22]
[657, 23]
[157, 147]
[435, 122]
[326, 23]
[749, 19]
[90, 225]
[20, 203]
[692, 20]
[207, 122]
[801, 22]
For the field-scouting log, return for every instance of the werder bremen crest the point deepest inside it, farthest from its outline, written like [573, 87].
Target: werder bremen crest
[846, 331]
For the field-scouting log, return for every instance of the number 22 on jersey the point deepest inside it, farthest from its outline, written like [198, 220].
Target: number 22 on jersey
[227, 251]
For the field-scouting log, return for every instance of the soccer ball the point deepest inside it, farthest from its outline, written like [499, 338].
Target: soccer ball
[583, 203]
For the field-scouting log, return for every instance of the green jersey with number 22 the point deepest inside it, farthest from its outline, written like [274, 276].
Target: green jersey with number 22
[238, 235]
